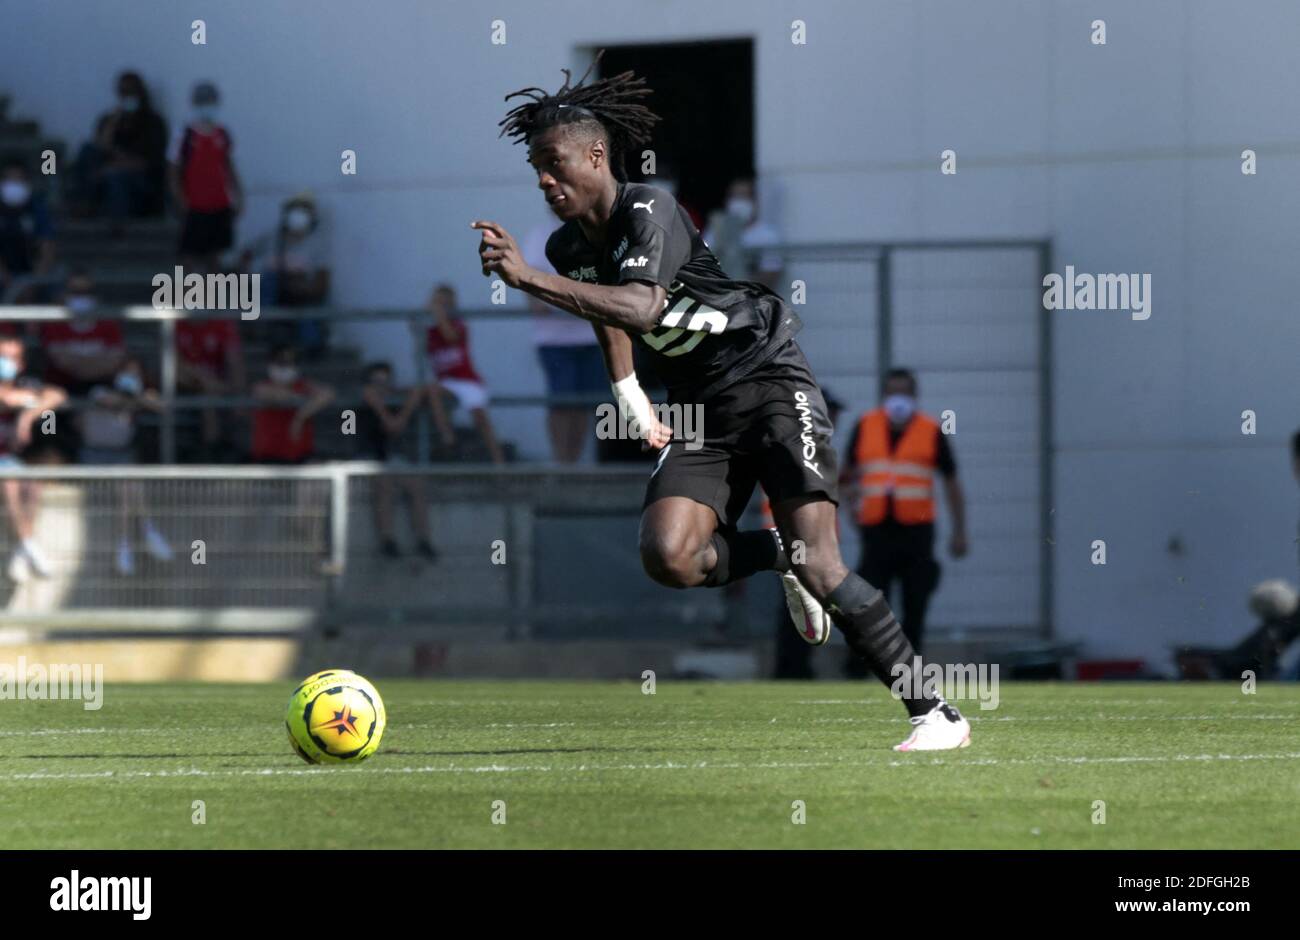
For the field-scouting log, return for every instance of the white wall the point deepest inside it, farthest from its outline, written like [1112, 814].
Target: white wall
[1126, 155]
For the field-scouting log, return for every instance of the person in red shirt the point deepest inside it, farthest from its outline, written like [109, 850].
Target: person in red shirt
[82, 352]
[209, 361]
[204, 183]
[453, 370]
[282, 429]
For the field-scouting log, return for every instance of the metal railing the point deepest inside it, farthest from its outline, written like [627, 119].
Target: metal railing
[282, 549]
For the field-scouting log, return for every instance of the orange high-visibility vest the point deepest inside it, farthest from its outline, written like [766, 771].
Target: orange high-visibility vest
[907, 472]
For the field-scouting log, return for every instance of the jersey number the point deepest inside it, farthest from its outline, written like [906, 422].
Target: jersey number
[704, 320]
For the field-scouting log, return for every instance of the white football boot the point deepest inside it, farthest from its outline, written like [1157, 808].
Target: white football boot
[810, 618]
[942, 728]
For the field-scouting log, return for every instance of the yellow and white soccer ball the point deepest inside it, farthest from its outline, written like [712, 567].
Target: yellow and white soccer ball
[335, 717]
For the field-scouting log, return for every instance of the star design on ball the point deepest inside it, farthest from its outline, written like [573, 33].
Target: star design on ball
[344, 722]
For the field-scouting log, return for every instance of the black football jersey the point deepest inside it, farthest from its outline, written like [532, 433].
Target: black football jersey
[713, 330]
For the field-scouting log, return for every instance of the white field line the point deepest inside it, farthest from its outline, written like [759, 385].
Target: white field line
[1237, 702]
[668, 765]
[669, 722]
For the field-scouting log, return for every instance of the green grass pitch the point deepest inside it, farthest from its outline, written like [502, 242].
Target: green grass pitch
[716, 765]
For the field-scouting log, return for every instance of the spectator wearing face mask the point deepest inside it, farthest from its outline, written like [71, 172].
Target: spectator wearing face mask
[120, 172]
[295, 269]
[108, 430]
[23, 401]
[737, 238]
[204, 183]
[282, 428]
[890, 470]
[26, 237]
[83, 351]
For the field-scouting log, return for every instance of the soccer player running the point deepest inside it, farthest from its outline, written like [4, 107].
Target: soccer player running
[632, 262]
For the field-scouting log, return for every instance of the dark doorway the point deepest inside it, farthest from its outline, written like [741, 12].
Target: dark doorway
[704, 95]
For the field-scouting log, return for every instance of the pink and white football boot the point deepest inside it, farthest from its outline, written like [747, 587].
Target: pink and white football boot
[942, 728]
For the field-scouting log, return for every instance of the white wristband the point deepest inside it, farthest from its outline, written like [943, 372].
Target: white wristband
[633, 403]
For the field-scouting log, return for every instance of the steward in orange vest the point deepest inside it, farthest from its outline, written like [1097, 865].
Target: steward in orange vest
[902, 472]
[897, 458]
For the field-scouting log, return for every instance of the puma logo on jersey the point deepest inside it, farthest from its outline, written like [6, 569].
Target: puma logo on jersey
[644, 205]
[635, 263]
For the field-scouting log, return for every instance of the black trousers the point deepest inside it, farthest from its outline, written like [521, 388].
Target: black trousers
[902, 555]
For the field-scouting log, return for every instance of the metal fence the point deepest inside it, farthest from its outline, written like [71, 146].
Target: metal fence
[967, 317]
[261, 549]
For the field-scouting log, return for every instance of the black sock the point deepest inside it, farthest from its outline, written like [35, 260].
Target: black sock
[740, 554]
[872, 631]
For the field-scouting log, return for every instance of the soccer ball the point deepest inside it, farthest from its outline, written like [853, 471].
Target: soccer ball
[335, 717]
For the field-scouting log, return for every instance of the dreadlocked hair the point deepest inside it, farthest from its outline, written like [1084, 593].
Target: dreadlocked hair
[608, 104]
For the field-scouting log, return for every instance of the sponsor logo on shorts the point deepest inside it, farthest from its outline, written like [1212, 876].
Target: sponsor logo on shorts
[804, 407]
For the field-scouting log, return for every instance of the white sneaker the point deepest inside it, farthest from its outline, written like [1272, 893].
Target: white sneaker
[36, 558]
[124, 562]
[156, 544]
[19, 571]
[811, 621]
[942, 728]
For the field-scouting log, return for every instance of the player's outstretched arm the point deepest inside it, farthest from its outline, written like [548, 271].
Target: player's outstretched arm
[636, 305]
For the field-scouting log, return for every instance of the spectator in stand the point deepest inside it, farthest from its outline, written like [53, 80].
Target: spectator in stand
[23, 400]
[26, 237]
[81, 352]
[282, 423]
[449, 360]
[121, 171]
[736, 236]
[108, 439]
[379, 426]
[294, 264]
[209, 361]
[204, 183]
[570, 358]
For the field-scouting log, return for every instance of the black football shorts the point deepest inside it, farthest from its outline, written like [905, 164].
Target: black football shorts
[770, 428]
